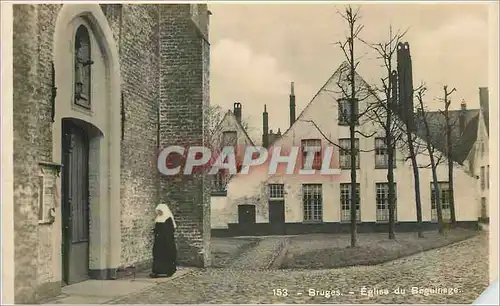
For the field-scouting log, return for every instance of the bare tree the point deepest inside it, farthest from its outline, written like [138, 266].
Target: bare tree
[385, 114]
[449, 149]
[431, 151]
[353, 94]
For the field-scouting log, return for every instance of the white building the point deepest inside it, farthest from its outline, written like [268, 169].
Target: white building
[481, 163]
[229, 132]
[259, 203]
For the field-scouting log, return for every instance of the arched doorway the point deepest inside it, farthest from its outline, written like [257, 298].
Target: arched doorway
[86, 140]
[75, 202]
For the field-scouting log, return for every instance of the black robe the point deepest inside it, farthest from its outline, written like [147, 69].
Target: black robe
[164, 249]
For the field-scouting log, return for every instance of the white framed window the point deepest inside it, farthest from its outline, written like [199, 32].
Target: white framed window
[444, 199]
[345, 202]
[344, 153]
[220, 181]
[484, 203]
[276, 191]
[344, 111]
[315, 143]
[229, 138]
[382, 154]
[312, 200]
[482, 178]
[382, 198]
[488, 177]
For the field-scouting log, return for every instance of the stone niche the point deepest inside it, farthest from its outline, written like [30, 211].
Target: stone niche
[48, 192]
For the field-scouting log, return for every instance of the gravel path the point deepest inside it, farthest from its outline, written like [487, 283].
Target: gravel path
[463, 267]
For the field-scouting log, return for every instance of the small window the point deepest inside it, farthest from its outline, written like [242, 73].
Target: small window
[484, 210]
[220, 181]
[344, 153]
[229, 138]
[345, 202]
[444, 199]
[482, 178]
[488, 177]
[83, 64]
[382, 154]
[382, 198]
[344, 112]
[312, 143]
[312, 201]
[276, 191]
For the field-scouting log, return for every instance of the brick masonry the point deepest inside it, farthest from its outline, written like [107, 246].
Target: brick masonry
[164, 58]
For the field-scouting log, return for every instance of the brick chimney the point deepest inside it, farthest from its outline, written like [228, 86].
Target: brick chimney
[265, 128]
[461, 118]
[237, 111]
[405, 82]
[292, 104]
[483, 98]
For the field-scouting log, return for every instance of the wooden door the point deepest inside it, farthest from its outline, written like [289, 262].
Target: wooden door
[246, 219]
[75, 204]
[277, 217]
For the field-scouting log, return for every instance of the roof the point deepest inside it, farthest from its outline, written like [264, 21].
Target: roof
[462, 142]
[230, 113]
[485, 108]
[336, 74]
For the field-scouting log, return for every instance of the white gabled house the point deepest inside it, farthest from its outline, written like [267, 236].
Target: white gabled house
[258, 203]
[229, 132]
[480, 163]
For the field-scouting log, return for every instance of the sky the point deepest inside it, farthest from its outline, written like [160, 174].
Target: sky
[258, 49]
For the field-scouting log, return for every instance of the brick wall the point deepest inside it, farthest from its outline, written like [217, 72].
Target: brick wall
[32, 44]
[135, 29]
[179, 91]
[182, 96]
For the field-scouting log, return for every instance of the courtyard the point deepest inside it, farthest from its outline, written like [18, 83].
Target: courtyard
[249, 270]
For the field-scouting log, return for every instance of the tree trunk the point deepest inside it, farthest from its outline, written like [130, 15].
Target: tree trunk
[416, 185]
[390, 170]
[352, 128]
[436, 195]
[430, 150]
[452, 198]
[392, 198]
[354, 195]
[450, 170]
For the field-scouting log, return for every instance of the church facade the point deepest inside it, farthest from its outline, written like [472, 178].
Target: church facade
[98, 91]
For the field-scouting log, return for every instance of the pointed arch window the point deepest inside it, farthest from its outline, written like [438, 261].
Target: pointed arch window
[83, 64]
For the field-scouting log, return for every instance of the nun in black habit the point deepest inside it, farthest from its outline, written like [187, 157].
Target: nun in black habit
[164, 248]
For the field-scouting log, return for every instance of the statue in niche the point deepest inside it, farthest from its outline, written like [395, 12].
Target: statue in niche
[82, 68]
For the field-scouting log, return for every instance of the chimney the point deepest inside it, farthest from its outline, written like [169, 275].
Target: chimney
[237, 111]
[265, 128]
[461, 118]
[483, 98]
[279, 132]
[405, 86]
[292, 104]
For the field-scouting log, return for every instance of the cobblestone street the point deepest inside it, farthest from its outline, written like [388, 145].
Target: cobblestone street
[462, 267]
[261, 256]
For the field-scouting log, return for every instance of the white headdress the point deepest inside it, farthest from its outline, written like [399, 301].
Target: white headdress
[166, 213]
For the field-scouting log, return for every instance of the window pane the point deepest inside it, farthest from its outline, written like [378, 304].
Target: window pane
[312, 202]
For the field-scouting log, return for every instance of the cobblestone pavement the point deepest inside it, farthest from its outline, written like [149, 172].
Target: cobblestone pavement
[260, 256]
[463, 266]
